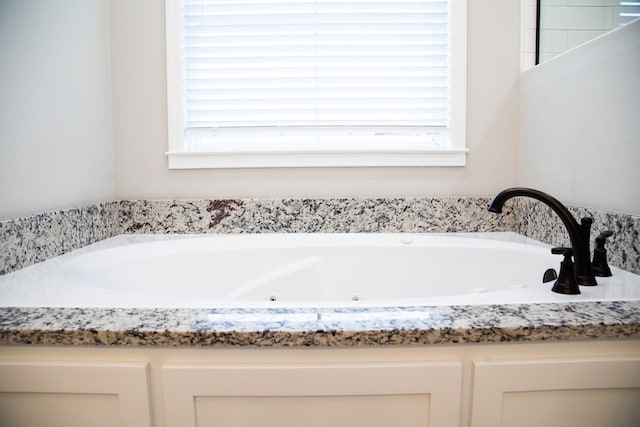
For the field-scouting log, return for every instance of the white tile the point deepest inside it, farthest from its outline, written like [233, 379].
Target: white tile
[593, 2]
[528, 61]
[546, 3]
[577, 18]
[544, 57]
[576, 38]
[530, 17]
[529, 41]
[553, 41]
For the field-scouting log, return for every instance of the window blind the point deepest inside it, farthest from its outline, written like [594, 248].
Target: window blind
[325, 63]
[628, 11]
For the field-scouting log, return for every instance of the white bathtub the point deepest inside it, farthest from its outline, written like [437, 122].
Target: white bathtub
[301, 270]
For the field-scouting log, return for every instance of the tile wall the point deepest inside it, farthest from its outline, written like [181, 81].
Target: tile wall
[566, 24]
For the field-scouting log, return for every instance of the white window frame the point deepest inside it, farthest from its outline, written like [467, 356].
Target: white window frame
[386, 151]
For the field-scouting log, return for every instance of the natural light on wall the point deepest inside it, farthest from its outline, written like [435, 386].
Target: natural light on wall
[316, 83]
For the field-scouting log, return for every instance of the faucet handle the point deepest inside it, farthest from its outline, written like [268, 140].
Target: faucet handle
[566, 283]
[604, 234]
[561, 250]
[587, 220]
[599, 264]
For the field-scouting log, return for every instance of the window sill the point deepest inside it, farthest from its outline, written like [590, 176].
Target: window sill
[229, 159]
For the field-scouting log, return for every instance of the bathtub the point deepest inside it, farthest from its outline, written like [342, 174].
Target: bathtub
[301, 270]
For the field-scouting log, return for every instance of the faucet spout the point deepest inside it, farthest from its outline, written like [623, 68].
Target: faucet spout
[578, 233]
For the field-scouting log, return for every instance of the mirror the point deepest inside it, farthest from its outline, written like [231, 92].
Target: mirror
[565, 24]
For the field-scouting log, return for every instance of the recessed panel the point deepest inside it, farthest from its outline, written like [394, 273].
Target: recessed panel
[363, 394]
[561, 408]
[314, 411]
[58, 409]
[74, 394]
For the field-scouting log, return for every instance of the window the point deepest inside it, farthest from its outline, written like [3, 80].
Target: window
[257, 83]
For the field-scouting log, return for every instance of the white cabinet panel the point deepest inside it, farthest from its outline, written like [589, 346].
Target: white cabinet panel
[402, 394]
[585, 392]
[72, 394]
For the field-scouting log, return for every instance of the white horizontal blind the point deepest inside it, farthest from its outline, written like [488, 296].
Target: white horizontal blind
[628, 11]
[320, 64]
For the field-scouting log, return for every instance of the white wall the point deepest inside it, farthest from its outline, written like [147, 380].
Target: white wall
[57, 139]
[56, 148]
[141, 137]
[580, 124]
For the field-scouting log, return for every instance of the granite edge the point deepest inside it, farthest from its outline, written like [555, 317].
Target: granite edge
[450, 325]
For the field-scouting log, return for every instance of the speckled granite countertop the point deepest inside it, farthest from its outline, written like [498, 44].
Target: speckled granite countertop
[288, 327]
[320, 327]
[26, 241]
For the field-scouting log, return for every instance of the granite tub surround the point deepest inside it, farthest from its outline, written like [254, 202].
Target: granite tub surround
[29, 240]
[320, 327]
[26, 241]
[311, 216]
[537, 221]
[44, 236]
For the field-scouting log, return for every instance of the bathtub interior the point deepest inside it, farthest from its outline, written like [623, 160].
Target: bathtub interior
[300, 270]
